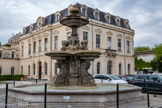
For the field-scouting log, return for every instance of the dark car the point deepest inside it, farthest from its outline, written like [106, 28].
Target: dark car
[127, 78]
[139, 81]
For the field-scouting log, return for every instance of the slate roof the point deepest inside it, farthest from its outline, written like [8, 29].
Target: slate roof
[51, 18]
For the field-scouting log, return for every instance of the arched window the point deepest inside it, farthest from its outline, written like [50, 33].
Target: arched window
[128, 69]
[120, 70]
[98, 68]
[12, 70]
[109, 67]
[0, 70]
[46, 67]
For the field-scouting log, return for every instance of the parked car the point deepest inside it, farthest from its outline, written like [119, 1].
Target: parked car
[127, 78]
[139, 81]
[103, 78]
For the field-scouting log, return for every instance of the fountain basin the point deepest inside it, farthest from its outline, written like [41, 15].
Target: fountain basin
[102, 96]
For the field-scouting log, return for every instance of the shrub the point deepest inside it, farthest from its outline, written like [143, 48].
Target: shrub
[10, 77]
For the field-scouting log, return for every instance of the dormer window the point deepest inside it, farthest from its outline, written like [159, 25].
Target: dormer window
[117, 21]
[126, 23]
[57, 16]
[84, 10]
[96, 14]
[24, 31]
[40, 22]
[31, 27]
[108, 17]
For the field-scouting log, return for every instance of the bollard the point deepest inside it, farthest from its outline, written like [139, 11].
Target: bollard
[117, 96]
[144, 86]
[148, 100]
[6, 99]
[45, 95]
[154, 89]
[36, 81]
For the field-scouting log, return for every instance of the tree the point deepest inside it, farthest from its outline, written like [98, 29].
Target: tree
[140, 48]
[141, 64]
[157, 61]
[0, 43]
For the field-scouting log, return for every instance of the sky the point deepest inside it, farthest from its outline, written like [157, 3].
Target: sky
[145, 16]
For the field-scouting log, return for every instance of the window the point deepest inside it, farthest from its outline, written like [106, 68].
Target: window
[128, 46]
[97, 16]
[0, 70]
[29, 49]
[98, 68]
[0, 54]
[85, 35]
[21, 70]
[109, 42]
[12, 70]
[84, 12]
[34, 69]
[120, 69]
[13, 55]
[119, 44]
[56, 42]
[29, 70]
[69, 35]
[57, 17]
[109, 67]
[55, 69]
[46, 44]
[40, 45]
[128, 69]
[22, 50]
[46, 68]
[97, 41]
[34, 47]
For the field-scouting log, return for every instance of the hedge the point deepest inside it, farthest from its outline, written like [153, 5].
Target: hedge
[10, 77]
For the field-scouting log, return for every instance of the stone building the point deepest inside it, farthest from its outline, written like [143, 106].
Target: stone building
[105, 32]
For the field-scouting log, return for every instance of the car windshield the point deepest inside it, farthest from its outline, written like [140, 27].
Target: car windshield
[130, 77]
[115, 77]
[159, 76]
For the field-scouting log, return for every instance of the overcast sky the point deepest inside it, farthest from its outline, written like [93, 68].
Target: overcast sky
[145, 16]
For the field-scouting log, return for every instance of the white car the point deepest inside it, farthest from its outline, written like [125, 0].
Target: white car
[110, 79]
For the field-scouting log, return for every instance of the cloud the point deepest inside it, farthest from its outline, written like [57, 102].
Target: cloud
[145, 16]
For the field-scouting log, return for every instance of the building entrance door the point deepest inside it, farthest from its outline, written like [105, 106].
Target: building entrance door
[40, 70]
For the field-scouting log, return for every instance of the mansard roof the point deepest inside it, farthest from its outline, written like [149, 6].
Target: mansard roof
[51, 18]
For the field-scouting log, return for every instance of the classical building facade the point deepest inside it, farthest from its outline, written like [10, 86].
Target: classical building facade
[107, 33]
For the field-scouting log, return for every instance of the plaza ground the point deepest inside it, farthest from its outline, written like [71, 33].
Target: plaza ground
[155, 102]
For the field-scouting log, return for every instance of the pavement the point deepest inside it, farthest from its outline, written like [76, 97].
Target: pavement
[155, 102]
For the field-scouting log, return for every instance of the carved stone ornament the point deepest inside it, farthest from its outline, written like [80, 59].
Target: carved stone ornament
[40, 22]
[56, 32]
[86, 28]
[34, 38]
[109, 33]
[22, 43]
[128, 37]
[29, 40]
[98, 31]
[119, 35]
[40, 36]
[45, 35]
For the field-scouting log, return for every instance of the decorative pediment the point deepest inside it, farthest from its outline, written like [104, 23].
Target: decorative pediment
[45, 35]
[31, 27]
[85, 28]
[128, 37]
[29, 40]
[40, 22]
[40, 36]
[22, 43]
[119, 35]
[56, 32]
[109, 33]
[98, 31]
[34, 38]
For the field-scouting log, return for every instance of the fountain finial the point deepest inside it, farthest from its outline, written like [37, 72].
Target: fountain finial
[74, 10]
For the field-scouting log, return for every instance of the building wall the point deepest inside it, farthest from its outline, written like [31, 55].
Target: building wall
[146, 57]
[104, 30]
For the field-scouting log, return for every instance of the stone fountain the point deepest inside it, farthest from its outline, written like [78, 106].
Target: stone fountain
[74, 58]
[74, 87]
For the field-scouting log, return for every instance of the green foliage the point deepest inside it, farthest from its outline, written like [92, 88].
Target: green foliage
[10, 77]
[157, 61]
[140, 48]
[0, 44]
[141, 64]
